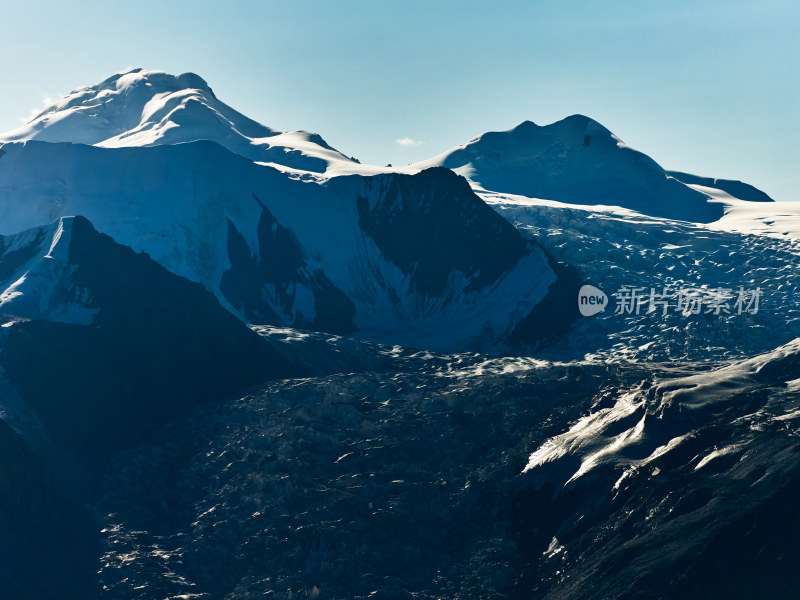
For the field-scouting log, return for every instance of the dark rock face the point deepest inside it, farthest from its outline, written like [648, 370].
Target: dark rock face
[707, 546]
[432, 224]
[754, 556]
[159, 345]
[710, 514]
[556, 313]
[255, 285]
[242, 285]
[49, 544]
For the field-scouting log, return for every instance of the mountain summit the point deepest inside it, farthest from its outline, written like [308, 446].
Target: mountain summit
[577, 161]
[150, 108]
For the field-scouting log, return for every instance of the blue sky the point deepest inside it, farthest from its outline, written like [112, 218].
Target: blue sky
[707, 87]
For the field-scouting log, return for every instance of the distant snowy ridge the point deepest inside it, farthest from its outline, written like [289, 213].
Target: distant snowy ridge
[578, 161]
[575, 160]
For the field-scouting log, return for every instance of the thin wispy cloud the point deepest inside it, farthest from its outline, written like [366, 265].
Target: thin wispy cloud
[407, 141]
[46, 101]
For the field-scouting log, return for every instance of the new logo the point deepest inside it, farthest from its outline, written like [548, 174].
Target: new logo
[591, 300]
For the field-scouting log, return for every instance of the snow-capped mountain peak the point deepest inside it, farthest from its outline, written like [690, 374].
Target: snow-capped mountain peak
[149, 108]
[572, 128]
[579, 161]
[527, 142]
